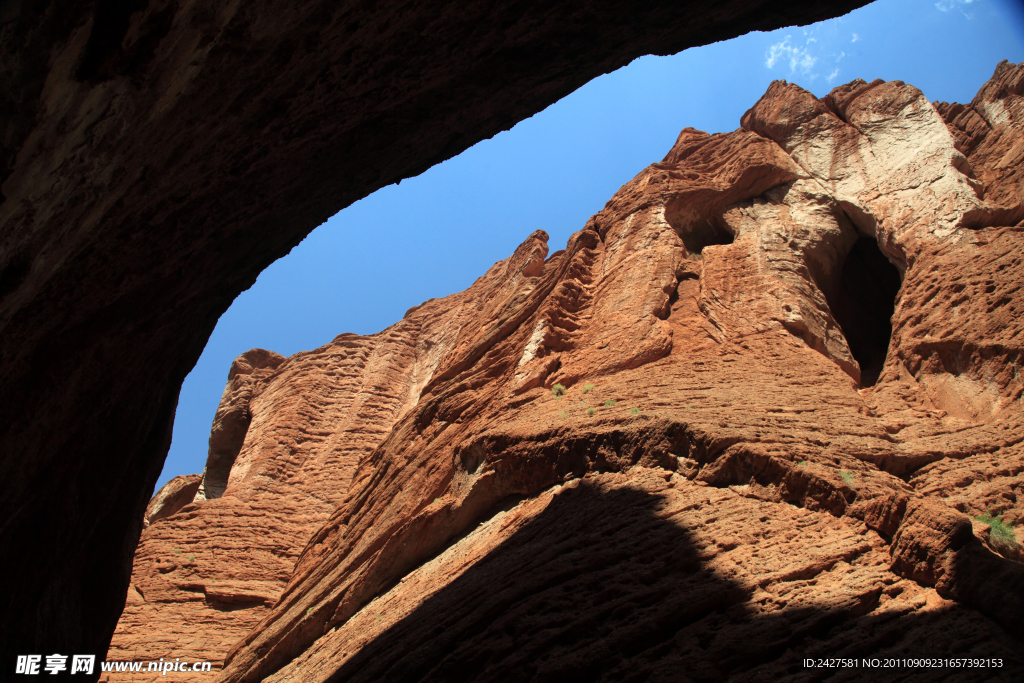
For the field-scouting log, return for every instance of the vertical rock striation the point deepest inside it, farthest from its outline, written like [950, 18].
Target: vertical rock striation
[287, 438]
[764, 396]
[155, 156]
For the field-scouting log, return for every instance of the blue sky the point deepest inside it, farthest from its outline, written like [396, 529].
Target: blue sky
[434, 234]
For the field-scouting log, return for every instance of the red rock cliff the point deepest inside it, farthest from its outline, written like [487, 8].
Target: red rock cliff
[751, 414]
[155, 156]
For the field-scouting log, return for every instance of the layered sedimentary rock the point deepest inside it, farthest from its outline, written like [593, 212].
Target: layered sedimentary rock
[172, 496]
[755, 412]
[155, 156]
[286, 440]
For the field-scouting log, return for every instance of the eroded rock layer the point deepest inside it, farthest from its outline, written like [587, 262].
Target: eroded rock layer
[287, 438]
[765, 406]
[155, 156]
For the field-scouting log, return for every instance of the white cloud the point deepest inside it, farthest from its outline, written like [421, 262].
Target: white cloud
[855, 38]
[947, 5]
[799, 58]
[809, 55]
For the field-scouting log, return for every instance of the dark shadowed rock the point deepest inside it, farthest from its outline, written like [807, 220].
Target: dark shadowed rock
[156, 156]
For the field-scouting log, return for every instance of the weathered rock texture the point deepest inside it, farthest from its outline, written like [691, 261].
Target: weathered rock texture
[292, 433]
[172, 496]
[155, 156]
[746, 417]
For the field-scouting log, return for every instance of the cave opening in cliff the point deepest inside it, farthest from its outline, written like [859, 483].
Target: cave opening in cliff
[700, 233]
[864, 305]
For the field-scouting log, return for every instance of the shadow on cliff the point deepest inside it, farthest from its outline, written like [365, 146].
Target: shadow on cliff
[599, 587]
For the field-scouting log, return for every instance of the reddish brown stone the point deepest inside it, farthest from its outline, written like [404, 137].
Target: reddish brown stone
[676, 446]
[155, 156]
[172, 496]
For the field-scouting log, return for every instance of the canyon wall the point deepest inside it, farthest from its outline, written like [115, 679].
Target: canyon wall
[155, 156]
[764, 406]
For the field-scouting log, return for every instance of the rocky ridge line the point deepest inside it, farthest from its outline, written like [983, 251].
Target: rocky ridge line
[155, 156]
[732, 438]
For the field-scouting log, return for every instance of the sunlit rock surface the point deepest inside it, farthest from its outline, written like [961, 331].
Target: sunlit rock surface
[748, 416]
[155, 156]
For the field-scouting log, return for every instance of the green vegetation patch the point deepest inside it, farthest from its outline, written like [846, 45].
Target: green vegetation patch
[610, 403]
[587, 388]
[634, 411]
[176, 551]
[848, 477]
[591, 411]
[999, 529]
[558, 390]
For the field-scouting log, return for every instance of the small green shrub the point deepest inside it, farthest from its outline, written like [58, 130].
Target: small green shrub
[177, 552]
[999, 529]
[587, 387]
[562, 415]
[694, 256]
[590, 411]
[437, 500]
[558, 390]
[309, 611]
[634, 411]
[610, 403]
[191, 558]
[848, 477]
[802, 462]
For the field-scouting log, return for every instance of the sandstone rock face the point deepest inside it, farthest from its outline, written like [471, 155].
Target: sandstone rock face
[286, 441]
[751, 414]
[155, 156]
[172, 496]
[232, 419]
[633, 577]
